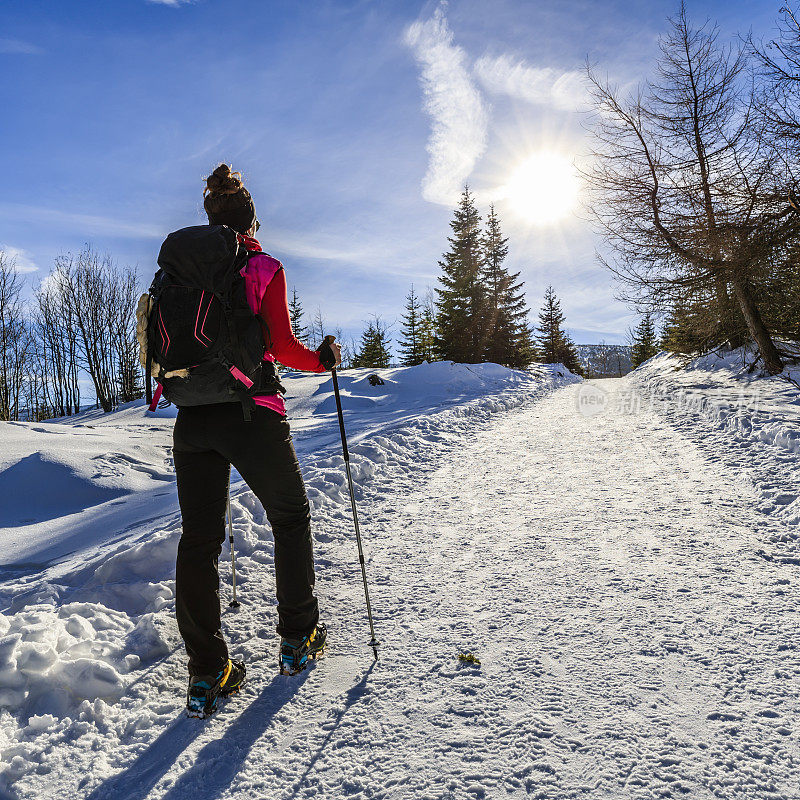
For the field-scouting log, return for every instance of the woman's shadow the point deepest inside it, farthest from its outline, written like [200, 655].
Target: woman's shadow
[202, 781]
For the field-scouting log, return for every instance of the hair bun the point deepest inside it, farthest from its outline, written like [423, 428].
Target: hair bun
[223, 181]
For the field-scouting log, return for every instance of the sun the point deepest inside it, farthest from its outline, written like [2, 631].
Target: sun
[543, 189]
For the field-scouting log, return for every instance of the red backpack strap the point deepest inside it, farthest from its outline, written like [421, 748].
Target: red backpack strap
[156, 397]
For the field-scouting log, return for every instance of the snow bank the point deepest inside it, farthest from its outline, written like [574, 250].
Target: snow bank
[718, 396]
[720, 388]
[91, 526]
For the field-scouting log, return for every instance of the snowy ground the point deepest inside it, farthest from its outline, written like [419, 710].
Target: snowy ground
[621, 566]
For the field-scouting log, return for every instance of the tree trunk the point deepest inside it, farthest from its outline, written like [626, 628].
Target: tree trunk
[755, 324]
[727, 311]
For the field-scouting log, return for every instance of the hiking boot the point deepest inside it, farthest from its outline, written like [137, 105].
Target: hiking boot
[297, 653]
[205, 690]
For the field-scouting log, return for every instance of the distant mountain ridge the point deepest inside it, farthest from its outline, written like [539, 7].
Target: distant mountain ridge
[604, 360]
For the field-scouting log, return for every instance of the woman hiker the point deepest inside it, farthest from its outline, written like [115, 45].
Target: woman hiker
[208, 439]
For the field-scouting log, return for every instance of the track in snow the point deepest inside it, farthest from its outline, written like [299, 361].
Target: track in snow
[634, 643]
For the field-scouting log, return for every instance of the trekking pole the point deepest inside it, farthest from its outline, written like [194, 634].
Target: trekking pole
[373, 643]
[233, 603]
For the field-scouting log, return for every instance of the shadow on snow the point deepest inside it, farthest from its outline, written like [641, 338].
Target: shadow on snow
[218, 762]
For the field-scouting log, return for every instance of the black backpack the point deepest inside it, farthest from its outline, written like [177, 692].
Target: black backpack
[204, 343]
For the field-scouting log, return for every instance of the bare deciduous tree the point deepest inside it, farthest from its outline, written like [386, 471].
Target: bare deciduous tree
[778, 74]
[15, 339]
[348, 348]
[683, 186]
[56, 353]
[317, 332]
[84, 278]
[102, 300]
[123, 295]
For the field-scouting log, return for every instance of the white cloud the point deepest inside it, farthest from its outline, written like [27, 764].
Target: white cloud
[18, 47]
[377, 252]
[173, 3]
[20, 258]
[85, 224]
[311, 245]
[51, 281]
[457, 109]
[539, 85]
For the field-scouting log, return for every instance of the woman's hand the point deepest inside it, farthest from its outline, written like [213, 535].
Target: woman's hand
[337, 351]
[330, 353]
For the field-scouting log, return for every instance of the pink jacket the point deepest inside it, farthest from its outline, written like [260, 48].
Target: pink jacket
[265, 284]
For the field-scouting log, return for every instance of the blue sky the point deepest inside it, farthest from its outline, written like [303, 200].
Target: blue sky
[354, 123]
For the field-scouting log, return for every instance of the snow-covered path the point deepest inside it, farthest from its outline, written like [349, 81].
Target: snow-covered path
[633, 643]
[604, 570]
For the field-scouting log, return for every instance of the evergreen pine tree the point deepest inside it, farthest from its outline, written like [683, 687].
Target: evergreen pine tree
[461, 300]
[548, 332]
[505, 324]
[428, 329]
[686, 328]
[524, 348]
[496, 326]
[552, 343]
[663, 337]
[374, 348]
[644, 341]
[411, 345]
[296, 316]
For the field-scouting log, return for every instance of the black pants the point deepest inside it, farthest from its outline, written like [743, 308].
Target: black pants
[207, 440]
